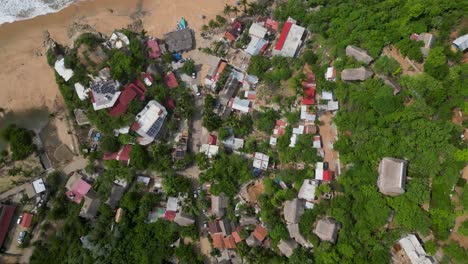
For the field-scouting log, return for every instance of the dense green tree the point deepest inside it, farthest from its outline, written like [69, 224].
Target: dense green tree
[139, 157]
[258, 66]
[110, 144]
[122, 67]
[189, 67]
[436, 63]
[387, 65]
[20, 141]
[174, 184]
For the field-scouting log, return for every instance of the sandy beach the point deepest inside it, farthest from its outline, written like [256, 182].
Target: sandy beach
[26, 81]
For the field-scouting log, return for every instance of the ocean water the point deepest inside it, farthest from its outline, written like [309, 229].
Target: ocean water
[13, 10]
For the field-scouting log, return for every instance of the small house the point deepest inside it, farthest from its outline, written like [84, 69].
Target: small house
[327, 229]
[233, 143]
[149, 122]
[6, 215]
[39, 186]
[233, 33]
[209, 150]
[330, 74]
[295, 233]
[154, 51]
[260, 161]
[307, 190]
[26, 220]
[392, 176]
[170, 80]
[359, 54]
[257, 30]
[77, 187]
[287, 247]
[116, 194]
[260, 233]
[183, 219]
[241, 105]
[414, 250]
[219, 204]
[356, 74]
[90, 206]
[461, 43]
[60, 68]
[81, 91]
[80, 117]
[123, 155]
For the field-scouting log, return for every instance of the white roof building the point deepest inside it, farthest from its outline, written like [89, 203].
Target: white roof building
[257, 30]
[306, 115]
[149, 121]
[65, 73]
[118, 40]
[327, 95]
[255, 46]
[330, 75]
[144, 180]
[293, 140]
[172, 204]
[461, 42]
[317, 143]
[273, 141]
[290, 40]
[104, 94]
[332, 105]
[414, 250]
[39, 186]
[319, 171]
[307, 191]
[241, 105]
[260, 161]
[81, 91]
[234, 143]
[298, 130]
[209, 150]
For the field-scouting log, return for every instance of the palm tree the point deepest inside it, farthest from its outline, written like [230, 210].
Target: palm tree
[227, 10]
[244, 4]
[235, 10]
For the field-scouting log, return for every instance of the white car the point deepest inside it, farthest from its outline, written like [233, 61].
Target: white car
[21, 236]
[20, 218]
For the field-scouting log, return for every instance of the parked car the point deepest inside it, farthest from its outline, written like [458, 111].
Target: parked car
[325, 165]
[21, 237]
[195, 195]
[20, 218]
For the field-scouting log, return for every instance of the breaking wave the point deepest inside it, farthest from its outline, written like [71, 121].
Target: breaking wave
[14, 10]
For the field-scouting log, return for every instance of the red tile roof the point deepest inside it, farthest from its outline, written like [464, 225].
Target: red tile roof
[229, 242]
[122, 155]
[260, 233]
[170, 80]
[80, 189]
[280, 122]
[135, 126]
[154, 50]
[214, 227]
[230, 36]
[212, 139]
[327, 175]
[283, 35]
[219, 71]
[170, 215]
[131, 90]
[27, 219]
[236, 235]
[6, 214]
[271, 24]
[218, 241]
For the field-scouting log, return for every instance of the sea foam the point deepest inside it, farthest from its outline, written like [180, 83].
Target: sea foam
[13, 10]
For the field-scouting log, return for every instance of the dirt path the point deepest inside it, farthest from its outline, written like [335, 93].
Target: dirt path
[407, 66]
[328, 133]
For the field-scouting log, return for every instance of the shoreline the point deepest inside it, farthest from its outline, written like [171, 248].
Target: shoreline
[28, 82]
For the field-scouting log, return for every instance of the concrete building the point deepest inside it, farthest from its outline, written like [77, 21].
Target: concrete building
[257, 30]
[241, 105]
[209, 150]
[60, 68]
[219, 204]
[461, 43]
[256, 45]
[307, 190]
[392, 176]
[260, 161]
[290, 40]
[149, 122]
[104, 94]
[356, 74]
[414, 250]
[359, 54]
[80, 117]
[81, 91]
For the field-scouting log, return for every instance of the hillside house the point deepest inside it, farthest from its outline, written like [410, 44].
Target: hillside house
[241, 105]
[149, 122]
[170, 80]
[392, 176]
[233, 143]
[414, 250]
[180, 40]
[209, 150]
[356, 74]
[117, 40]
[359, 54]
[307, 190]
[260, 233]
[295, 234]
[90, 206]
[278, 131]
[233, 33]
[80, 117]
[260, 161]
[60, 68]
[321, 173]
[81, 91]
[293, 210]
[287, 247]
[77, 187]
[428, 40]
[104, 94]
[461, 43]
[330, 75]
[327, 229]
[219, 205]
[116, 194]
[123, 155]
[256, 46]
[257, 30]
[39, 186]
[290, 39]
[135, 89]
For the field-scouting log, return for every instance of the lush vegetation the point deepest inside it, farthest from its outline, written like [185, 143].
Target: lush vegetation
[20, 141]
